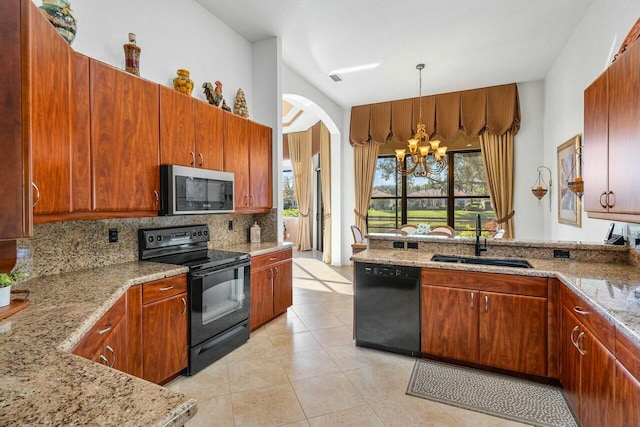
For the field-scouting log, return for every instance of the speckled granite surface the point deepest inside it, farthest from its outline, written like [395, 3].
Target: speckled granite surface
[42, 384]
[612, 289]
[255, 249]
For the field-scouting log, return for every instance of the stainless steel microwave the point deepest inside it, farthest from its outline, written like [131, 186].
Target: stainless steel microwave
[186, 190]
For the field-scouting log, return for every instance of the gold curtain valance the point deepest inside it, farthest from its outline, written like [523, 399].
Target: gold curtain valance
[495, 110]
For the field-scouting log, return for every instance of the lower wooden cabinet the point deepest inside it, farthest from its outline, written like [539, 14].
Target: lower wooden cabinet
[627, 397]
[498, 329]
[114, 350]
[271, 286]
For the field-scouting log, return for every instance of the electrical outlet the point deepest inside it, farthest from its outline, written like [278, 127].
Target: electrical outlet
[561, 253]
[113, 235]
[230, 225]
[412, 245]
[398, 245]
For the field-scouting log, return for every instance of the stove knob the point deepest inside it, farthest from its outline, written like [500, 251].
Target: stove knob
[194, 234]
[150, 239]
[199, 233]
[159, 238]
[205, 232]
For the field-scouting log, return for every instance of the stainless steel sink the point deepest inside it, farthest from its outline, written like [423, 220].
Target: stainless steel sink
[500, 262]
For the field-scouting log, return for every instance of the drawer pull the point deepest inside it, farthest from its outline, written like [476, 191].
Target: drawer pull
[108, 348]
[573, 341]
[277, 272]
[184, 305]
[273, 258]
[579, 344]
[604, 204]
[157, 196]
[37, 200]
[105, 330]
[472, 298]
[486, 303]
[193, 158]
[578, 310]
[168, 288]
[104, 360]
[201, 159]
[609, 203]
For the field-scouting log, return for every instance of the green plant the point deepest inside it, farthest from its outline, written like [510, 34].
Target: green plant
[17, 274]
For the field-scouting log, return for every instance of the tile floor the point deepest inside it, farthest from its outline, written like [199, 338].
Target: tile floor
[303, 369]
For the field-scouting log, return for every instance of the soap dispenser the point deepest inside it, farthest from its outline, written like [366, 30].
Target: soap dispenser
[255, 233]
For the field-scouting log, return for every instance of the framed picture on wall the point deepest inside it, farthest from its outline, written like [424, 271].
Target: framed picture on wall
[569, 204]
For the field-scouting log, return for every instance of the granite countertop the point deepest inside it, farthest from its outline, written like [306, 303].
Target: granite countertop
[41, 383]
[255, 249]
[612, 289]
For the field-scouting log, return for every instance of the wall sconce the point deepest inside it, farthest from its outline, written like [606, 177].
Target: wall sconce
[540, 188]
[577, 185]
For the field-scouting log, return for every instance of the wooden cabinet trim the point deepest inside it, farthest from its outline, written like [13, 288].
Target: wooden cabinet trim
[491, 282]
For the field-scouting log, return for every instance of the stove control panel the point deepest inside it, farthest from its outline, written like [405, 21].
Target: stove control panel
[155, 238]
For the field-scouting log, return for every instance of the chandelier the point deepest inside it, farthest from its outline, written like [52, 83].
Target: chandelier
[425, 157]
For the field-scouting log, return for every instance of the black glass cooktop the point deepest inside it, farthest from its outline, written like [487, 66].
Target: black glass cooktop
[203, 259]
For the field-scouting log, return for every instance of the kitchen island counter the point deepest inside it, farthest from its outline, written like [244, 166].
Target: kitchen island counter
[42, 383]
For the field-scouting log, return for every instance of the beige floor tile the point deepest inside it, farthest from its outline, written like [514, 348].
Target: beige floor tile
[472, 418]
[334, 305]
[408, 411]
[308, 309]
[213, 412]
[270, 406]
[294, 343]
[356, 417]
[320, 321]
[303, 423]
[509, 423]
[308, 364]
[258, 347]
[287, 323]
[345, 316]
[380, 382]
[308, 297]
[334, 337]
[326, 394]
[254, 374]
[349, 357]
[210, 382]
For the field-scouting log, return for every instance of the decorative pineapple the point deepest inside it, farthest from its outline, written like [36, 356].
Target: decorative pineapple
[240, 106]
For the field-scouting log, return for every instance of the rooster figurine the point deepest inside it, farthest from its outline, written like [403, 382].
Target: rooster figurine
[214, 96]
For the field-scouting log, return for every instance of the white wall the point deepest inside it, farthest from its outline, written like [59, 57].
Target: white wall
[171, 35]
[588, 52]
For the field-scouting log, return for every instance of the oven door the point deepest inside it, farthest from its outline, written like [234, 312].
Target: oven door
[219, 300]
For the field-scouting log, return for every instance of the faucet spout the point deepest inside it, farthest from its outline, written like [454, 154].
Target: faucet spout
[479, 247]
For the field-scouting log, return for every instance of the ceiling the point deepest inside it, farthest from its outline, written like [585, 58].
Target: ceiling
[465, 44]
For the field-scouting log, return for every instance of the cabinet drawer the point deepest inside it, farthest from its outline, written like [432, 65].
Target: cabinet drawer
[93, 339]
[164, 288]
[597, 325]
[492, 282]
[261, 261]
[628, 354]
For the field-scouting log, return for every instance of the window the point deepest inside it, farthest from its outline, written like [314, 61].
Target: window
[290, 206]
[454, 197]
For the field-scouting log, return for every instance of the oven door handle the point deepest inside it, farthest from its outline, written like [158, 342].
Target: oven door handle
[226, 267]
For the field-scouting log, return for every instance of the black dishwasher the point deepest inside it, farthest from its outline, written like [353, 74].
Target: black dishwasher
[387, 308]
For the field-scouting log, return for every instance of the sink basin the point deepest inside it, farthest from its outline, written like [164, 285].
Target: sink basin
[500, 262]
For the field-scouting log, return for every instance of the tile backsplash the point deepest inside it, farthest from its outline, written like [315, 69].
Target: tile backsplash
[74, 245]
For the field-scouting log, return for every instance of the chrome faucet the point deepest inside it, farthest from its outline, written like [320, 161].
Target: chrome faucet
[479, 248]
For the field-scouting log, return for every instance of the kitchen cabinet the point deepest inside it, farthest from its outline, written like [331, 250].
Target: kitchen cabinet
[191, 131]
[247, 153]
[627, 382]
[587, 365]
[489, 319]
[165, 315]
[124, 141]
[113, 351]
[612, 130]
[271, 286]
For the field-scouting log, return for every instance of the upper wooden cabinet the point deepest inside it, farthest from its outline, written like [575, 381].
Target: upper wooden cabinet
[611, 140]
[125, 126]
[247, 149]
[191, 131]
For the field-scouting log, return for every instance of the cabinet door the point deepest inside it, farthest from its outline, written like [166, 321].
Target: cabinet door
[450, 322]
[50, 118]
[177, 128]
[165, 349]
[282, 287]
[513, 332]
[124, 140]
[624, 131]
[627, 398]
[113, 352]
[260, 160]
[570, 358]
[597, 385]
[595, 144]
[209, 136]
[236, 157]
[261, 297]
[81, 131]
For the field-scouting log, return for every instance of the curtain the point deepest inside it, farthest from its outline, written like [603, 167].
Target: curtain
[365, 159]
[325, 178]
[301, 162]
[497, 157]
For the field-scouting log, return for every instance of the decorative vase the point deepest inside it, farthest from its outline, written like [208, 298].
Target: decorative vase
[59, 13]
[182, 83]
[5, 296]
[132, 56]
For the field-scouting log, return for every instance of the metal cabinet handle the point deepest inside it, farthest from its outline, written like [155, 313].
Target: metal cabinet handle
[193, 158]
[155, 193]
[168, 288]
[105, 330]
[253, 200]
[578, 310]
[604, 194]
[246, 200]
[486, 303]
[277, 272]
[579, 344]
[37, 200]
[201, 159]
[573, 341]
[608, 200]
[104, 360]
[184, 305]
[472, 298]
[271, 273]
[113, 362]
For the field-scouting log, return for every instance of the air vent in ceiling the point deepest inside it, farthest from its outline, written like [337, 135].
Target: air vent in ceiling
[335, 77]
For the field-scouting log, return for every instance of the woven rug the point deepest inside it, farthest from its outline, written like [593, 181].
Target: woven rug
[493, 394]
